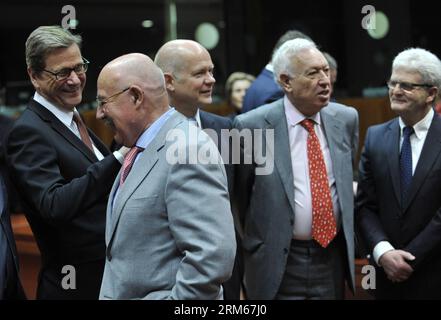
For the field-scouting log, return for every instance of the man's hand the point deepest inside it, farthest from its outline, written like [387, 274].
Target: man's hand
[395, 265]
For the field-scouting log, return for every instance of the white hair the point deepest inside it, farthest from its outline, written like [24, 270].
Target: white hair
[422, 62]
[282, 58]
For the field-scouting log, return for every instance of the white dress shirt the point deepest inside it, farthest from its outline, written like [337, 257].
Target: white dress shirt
[298, 136]
[417, 142]
[66, 117]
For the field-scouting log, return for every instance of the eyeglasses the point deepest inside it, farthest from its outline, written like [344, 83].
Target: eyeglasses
[102, 102]
[407, 86]
[64, 73]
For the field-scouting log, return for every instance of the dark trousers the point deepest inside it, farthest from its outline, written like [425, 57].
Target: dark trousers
[313, 272]
[88, 278]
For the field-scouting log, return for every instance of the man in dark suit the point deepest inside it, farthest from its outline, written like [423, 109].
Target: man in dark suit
[265, 89]
[398, 204]
[294, 185]
[63, 171]
[10, 286]
[188, 73]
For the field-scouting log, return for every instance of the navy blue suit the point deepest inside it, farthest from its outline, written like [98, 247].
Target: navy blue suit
[262, 91]
[412, 224]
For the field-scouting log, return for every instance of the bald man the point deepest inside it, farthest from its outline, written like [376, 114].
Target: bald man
[188, 73]
[169, 231]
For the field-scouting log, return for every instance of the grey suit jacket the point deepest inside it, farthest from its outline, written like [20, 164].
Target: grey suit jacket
[170, 232]
[266, 202]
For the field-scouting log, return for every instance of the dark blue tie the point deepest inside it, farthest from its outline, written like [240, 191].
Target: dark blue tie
[406, 162]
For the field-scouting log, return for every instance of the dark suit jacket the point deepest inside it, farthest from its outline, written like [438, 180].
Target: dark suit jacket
[12, 288]
[263, 90]
[217, 123]
[414, 225]
[64, 192]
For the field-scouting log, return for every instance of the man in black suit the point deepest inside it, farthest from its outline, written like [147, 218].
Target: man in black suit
[188, 73]
[10, 286]
[398, 204]
[63, 171]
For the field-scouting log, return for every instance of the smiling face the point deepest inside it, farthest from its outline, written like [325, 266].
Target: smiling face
[67, 93]
[309, 89]
[192, 85]
[411, 105]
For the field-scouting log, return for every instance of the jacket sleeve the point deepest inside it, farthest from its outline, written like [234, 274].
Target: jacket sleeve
[34, 167]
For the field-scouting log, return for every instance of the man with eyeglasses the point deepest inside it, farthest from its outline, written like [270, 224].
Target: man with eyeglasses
[398, 204]
[62, 170]
[298, 219]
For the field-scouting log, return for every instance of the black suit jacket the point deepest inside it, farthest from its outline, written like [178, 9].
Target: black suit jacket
[64, 191]
[217, 123]
[413, 225]
[8, 262]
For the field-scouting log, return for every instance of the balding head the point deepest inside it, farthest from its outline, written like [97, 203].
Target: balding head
[132, 92]
[171, 57]
[188, 72]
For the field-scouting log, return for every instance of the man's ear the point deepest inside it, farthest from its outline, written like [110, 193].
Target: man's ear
[33, 76]
[169, 82]
[433, 93]
[284, 81]
[137, 95]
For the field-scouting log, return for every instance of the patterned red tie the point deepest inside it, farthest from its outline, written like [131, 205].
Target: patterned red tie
[129, 159]
[83, 130]
[324, 226]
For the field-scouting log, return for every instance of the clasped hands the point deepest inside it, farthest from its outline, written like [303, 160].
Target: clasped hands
[395, 264]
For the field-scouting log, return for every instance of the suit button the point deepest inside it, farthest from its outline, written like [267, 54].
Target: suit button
[109, 257]
[285, 251]
[291, 221]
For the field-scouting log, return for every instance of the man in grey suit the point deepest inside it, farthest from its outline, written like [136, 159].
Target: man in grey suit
[298, 217]
[169, 230]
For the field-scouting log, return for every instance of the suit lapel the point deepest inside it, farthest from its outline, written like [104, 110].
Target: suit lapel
[333, 131]
[392, 144]
[146, 162]
[429, 154]
[62, 130]
[282, 154]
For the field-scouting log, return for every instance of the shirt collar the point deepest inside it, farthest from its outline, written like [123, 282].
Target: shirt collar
[63, 115]
[150, 133]
[269, 67]
[421, 127]
[294, 116]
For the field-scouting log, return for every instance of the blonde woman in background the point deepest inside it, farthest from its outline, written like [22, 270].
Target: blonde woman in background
[235, 89]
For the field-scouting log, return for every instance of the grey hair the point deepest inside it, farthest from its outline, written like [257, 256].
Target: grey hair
[43, 40]
[331, 60]
[283, 56]
[422, 62]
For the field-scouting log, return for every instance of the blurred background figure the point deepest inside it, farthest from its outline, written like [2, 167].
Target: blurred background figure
[236, 86]
[333, 71]
[265, 89]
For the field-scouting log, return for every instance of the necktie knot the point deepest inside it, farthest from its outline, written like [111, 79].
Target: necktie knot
[408, 131]
[129, 159]
[308, 124]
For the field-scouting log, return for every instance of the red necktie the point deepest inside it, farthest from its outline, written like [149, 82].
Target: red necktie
[324, 226]
[83, 131]
[129, 159]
